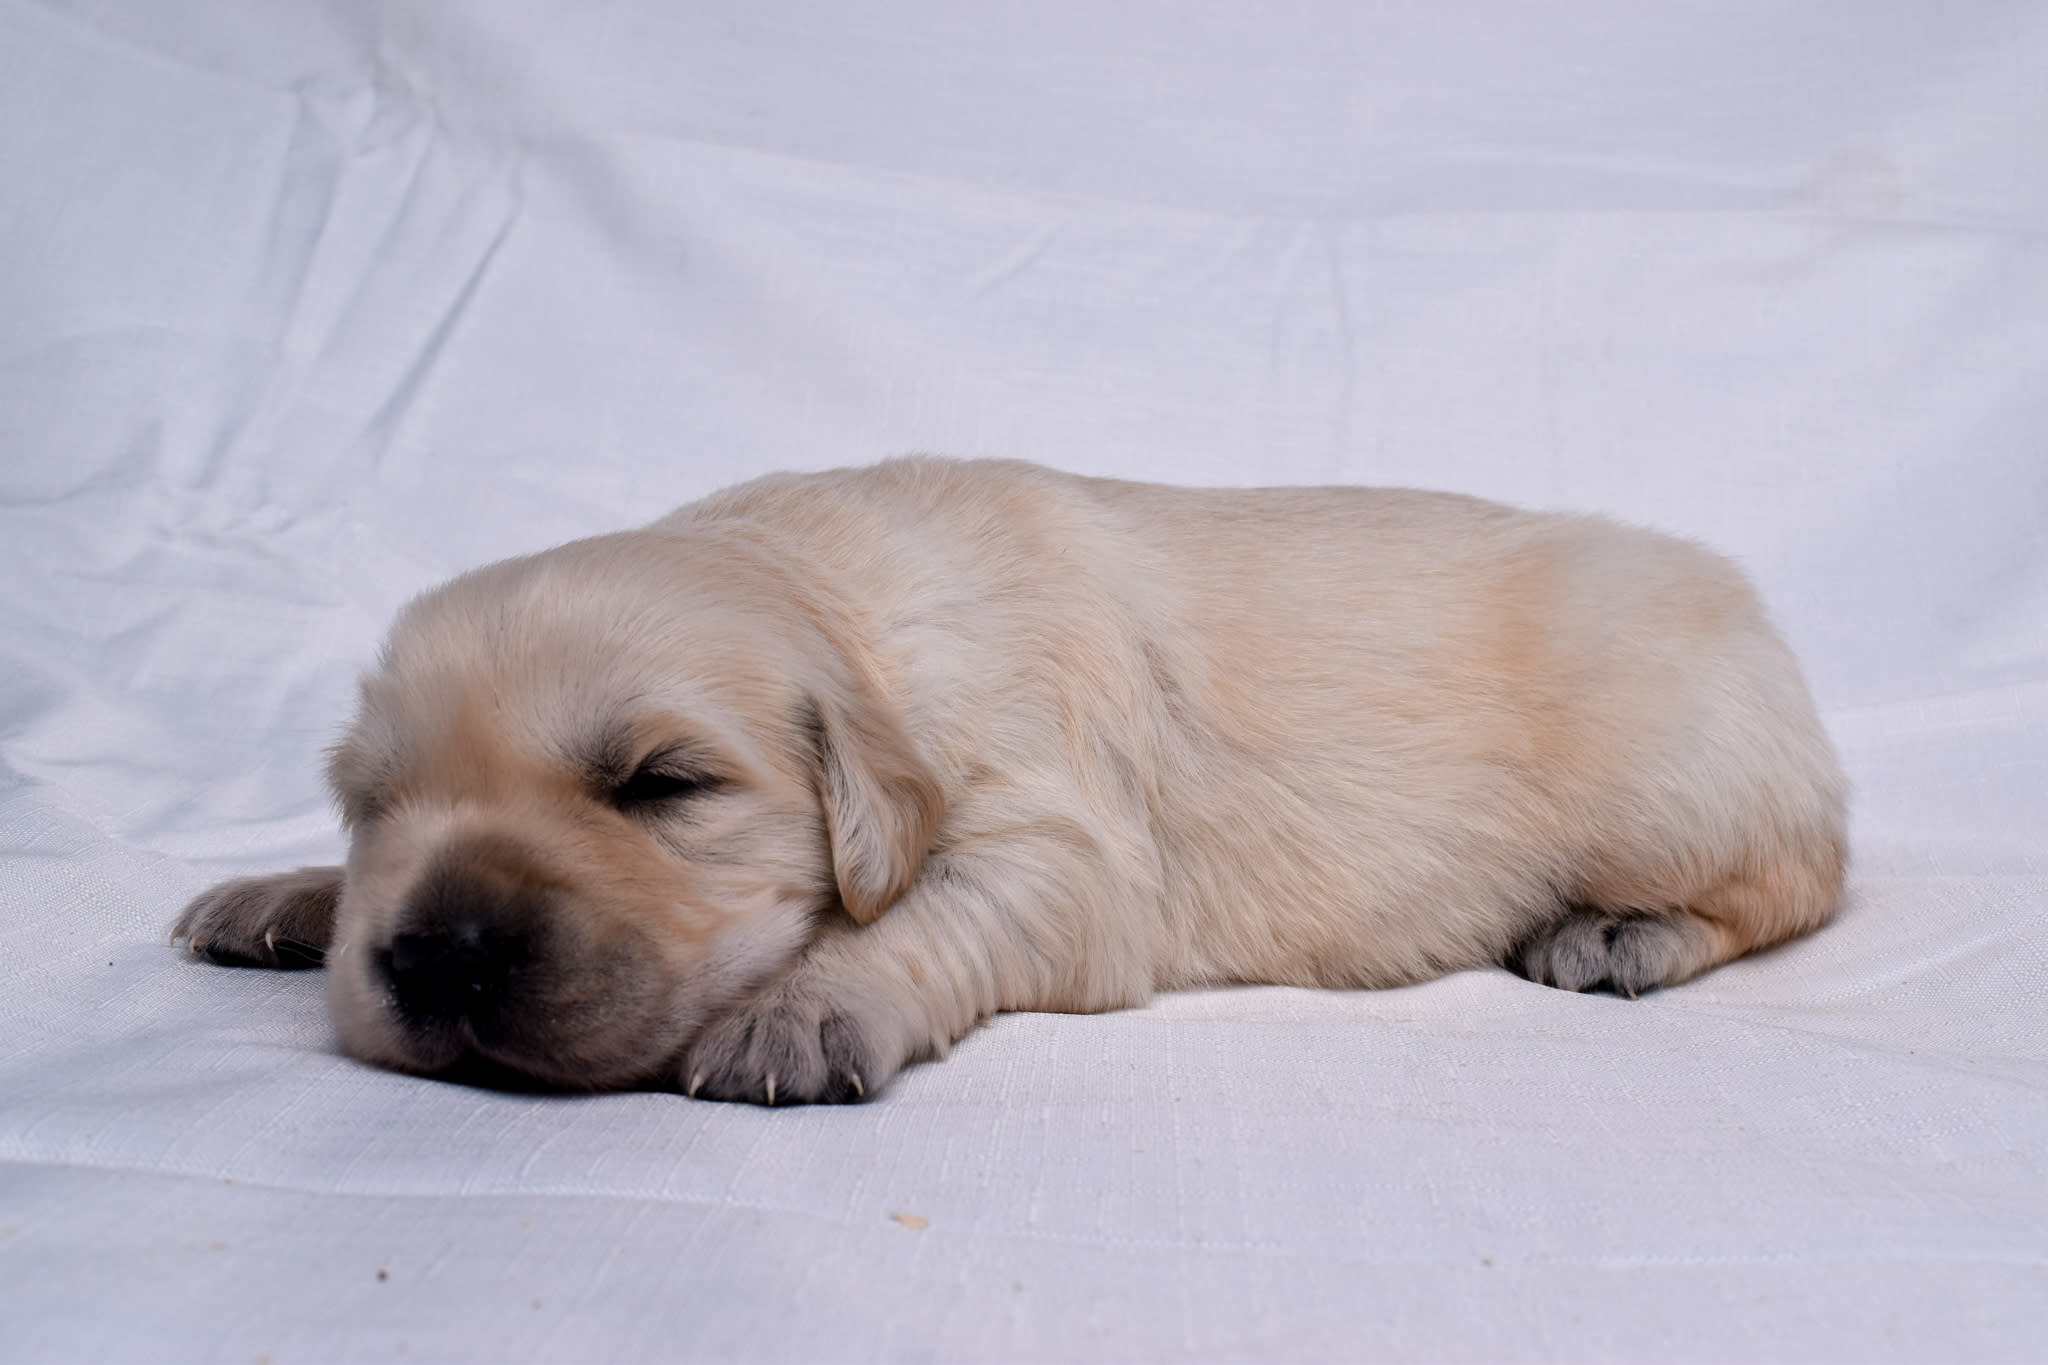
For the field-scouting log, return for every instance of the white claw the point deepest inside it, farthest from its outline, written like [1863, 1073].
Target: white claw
[771, 1091]
[858, 1088]
[696, 1084]
[270, 941]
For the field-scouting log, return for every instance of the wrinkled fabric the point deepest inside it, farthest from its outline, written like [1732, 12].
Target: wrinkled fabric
[307, 304]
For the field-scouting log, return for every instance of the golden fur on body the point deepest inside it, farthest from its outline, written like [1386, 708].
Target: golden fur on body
[792, 788]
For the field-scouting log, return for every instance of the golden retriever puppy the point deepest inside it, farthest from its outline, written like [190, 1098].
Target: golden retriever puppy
[790, 789]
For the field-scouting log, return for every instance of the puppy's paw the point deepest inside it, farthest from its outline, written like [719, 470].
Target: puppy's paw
[789, 1046]
[283, 921]
[1627, 954]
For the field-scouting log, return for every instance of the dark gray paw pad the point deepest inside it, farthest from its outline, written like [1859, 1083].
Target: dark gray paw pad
[1593, 950]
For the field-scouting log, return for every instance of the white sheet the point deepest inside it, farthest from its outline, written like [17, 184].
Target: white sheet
[305, 304]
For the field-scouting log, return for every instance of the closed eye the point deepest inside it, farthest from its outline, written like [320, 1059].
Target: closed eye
[652, 785]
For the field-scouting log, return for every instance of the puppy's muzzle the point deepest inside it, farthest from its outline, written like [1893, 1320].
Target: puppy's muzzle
[463, 969]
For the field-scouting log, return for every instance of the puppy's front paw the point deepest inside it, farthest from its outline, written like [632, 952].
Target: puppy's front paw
[789, 1046]
[283, 921]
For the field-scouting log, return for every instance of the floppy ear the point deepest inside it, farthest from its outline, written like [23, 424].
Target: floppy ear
[882, 800]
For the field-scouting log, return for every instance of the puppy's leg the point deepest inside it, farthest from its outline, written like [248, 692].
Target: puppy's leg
[1626, 952]
[283, 921]
[969, 938]
[860, 1004]
[1614, 945]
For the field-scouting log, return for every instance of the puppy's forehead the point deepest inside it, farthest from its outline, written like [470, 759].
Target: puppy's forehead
[583, 657]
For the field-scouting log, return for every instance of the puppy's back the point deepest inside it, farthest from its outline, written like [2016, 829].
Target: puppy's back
[1342, 735]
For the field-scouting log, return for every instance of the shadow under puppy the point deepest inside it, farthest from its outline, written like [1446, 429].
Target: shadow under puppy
[792, 788]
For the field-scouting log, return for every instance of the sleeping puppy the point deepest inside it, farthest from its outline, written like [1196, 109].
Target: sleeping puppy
[790, 789]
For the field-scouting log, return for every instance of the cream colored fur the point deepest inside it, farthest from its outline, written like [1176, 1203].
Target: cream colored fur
[981, 736]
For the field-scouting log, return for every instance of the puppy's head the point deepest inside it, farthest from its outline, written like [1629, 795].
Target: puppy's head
[599, 795]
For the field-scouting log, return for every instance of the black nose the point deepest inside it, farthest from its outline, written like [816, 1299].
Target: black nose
[466, 947]
[461, 969]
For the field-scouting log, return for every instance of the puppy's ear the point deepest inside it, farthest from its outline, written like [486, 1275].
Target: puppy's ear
[882, 800]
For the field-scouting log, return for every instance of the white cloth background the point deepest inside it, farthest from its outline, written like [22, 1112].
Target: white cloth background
[306, 304]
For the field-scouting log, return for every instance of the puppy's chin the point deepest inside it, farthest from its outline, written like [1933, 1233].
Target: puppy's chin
[612, 1025]
[623, 1049]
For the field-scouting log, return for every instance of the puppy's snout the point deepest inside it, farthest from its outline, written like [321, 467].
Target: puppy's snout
[467, 942]
[456, 971]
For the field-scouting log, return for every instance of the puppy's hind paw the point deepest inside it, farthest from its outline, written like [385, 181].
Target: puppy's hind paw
[1626, 953]
[786, 1047]
[283, 921]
